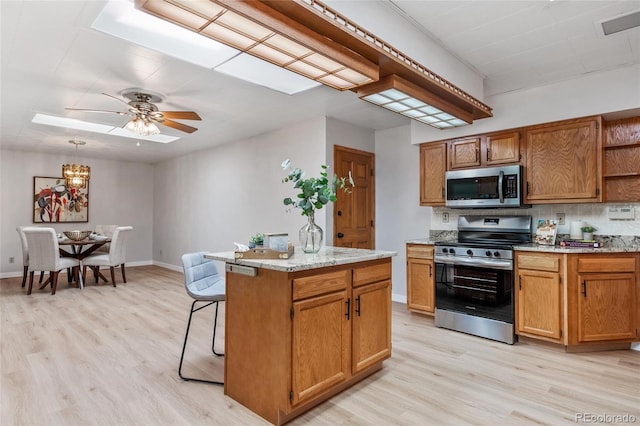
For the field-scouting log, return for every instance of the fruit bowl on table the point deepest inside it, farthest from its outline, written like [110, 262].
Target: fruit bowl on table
[77, 235]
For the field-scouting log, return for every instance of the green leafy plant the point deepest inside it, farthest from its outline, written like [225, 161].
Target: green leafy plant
[257, 239]
[588, 228]
[314, 193]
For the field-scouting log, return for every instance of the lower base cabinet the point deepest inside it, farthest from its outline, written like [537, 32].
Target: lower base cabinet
[420, 278]
[578, 299]
[293, 340]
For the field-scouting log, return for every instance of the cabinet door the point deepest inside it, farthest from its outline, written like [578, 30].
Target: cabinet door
[420, 288]
[606, 307]
[464, 153]
[564, 162]
[371, 325]
[539, 304]
[503, 148]
[433, 165]
[320, 344]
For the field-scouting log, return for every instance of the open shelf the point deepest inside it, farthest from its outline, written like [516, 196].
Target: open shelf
[623, 145]
[622, 175]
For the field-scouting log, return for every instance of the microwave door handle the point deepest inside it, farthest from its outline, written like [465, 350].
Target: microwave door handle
[500, 188]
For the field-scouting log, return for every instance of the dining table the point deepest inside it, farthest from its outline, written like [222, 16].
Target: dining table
[80, 249]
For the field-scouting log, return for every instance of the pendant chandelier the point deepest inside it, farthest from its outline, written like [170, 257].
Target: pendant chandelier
[76, 176]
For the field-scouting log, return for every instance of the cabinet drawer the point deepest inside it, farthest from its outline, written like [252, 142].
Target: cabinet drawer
[538, 262]
[320, 284]
[606, 264]
[371, 274]
[420, 251]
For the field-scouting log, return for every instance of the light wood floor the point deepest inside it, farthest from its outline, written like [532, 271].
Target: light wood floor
[109, 356]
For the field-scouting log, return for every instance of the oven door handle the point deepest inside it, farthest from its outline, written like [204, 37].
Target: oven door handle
[500, 189]
[506, 265]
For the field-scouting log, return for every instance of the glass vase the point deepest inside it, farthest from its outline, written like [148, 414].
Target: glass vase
[311, 235]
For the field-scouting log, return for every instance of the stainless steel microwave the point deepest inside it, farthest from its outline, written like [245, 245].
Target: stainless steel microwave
[490, 187]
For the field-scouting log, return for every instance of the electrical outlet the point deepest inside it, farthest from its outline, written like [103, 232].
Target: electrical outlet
[445, 217]
[12, 259]
[560, 218]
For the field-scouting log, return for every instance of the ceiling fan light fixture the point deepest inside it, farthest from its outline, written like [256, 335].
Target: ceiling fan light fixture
[142, 127]
[76, 175]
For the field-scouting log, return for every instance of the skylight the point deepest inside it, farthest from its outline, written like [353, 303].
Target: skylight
[72, 123]
[121, 19]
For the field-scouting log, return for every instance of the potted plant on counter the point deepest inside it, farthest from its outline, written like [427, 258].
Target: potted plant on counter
[313, 194]
[587, 232]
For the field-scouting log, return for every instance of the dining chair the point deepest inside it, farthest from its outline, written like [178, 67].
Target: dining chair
[106, 230]
[116, 257]
[25, 256]
[44, 255]
[205, 285]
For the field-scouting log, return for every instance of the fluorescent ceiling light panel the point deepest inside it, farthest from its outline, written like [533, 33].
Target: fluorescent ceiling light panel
[121, 19]
[71, 123]
[621, 23]
[257, 71]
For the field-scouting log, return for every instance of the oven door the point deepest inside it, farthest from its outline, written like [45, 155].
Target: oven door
[476, 291]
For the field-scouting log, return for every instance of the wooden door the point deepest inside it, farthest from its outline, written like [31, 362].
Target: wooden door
[371, 325]
[606, 307]
[433, 166]
[320, 345]
[354, 213]
[539, 304]
[503, 148]
[464, 153]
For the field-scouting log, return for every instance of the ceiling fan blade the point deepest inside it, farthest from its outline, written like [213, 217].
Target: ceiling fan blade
[180, 115]
[97, 110]
[177, 126]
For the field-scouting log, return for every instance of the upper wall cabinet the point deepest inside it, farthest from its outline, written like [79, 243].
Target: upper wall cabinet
[622, 160]
[502, 148]
[433, 165]
[564, 161]
[464, 153]
[485, 150]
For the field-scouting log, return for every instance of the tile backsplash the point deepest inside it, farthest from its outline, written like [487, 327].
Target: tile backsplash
[596, 215]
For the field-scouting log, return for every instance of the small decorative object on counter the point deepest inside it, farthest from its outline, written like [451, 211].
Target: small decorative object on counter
[587, 232]
[256, 240]
[314, 194]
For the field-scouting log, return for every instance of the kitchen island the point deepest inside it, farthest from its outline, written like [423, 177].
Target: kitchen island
[300, 330]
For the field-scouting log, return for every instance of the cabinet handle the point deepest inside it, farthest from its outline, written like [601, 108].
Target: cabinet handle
[520, 281]
[584, 288]
[430, 271]
[477, 153]
[488, 154]
[348, 303]
[358, 305]
[527, 188]
[443, 192]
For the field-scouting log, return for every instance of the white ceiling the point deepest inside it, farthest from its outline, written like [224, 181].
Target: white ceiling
[52, 59]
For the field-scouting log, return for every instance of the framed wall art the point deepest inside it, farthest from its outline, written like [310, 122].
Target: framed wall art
[54, 202]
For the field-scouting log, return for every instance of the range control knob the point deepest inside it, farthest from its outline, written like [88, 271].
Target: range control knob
[470, 252]
[452, 251]
[445, 250]
[488, 253]
[496, 254]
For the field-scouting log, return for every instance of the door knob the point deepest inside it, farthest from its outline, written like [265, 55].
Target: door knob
[339, 212]
[340, 235]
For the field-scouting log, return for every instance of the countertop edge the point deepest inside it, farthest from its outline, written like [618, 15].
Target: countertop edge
[301, 261]
[547, 249]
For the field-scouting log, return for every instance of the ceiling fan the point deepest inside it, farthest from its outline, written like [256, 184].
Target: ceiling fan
[144, 114]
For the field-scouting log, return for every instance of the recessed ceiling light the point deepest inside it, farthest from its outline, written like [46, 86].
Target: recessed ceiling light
[72, 123]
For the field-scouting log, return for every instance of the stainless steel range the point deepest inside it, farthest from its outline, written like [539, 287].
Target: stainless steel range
[475, 278]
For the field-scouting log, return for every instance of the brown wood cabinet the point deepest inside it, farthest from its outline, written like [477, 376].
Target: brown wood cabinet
[433, 165]
[607, 304]
[464, 153]
[564, 161]
[539, 300]
[502, 148]
[622, 160]
[420, 278]
[294, 339]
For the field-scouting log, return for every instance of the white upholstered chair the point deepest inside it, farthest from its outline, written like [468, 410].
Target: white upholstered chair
[44, 255]
[107, 231]
[116, 257]
[25, 256]
[204, 284]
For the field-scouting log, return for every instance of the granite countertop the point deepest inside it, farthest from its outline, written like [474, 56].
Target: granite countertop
[608, 244]
[300, 261]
